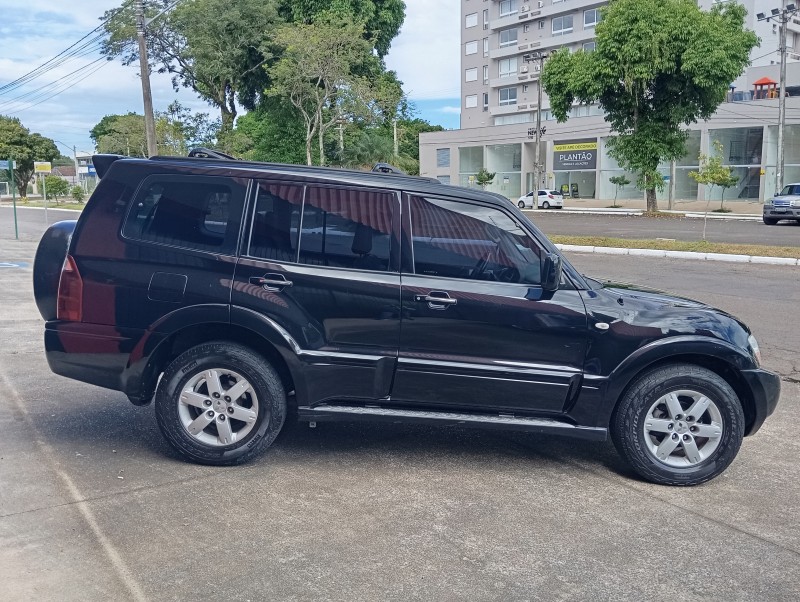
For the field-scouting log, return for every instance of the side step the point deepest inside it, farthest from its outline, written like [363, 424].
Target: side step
[322, 413]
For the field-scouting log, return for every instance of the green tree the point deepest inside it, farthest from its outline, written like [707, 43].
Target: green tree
[659, 65]
[316, 74]
[55, 187]
[382, 18]
[217, 49]
[484, 177]
[619, 182]
[77, 194]
[713, 173]
[16, 141]
[273, 133]
[177, 130]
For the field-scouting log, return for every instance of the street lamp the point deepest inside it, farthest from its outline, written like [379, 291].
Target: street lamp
[537, 57]
[783, 16]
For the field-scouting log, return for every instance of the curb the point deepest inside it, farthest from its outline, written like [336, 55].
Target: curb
[727, 257]
[639, 212]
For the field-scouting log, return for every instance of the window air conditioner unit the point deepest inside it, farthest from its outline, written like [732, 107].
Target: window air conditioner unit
[523, 69]
[541, 4]
[525, 8]
[537, 68]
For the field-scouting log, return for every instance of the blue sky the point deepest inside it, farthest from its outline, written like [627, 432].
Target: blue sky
[425, 56]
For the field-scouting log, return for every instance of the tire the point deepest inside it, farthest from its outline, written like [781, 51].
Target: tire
[641, 424]
[545, 205]
[770, 221]
[521, 205]
[240, 428]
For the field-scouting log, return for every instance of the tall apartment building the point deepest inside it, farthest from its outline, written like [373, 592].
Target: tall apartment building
[498, 87]
[499, 104]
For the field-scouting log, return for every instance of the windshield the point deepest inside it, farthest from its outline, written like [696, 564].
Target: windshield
[791, 189]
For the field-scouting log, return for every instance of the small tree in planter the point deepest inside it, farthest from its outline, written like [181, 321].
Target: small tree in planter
[619, 182]
[484, 177]
[55, 187]
[713, 173]
[77, 194]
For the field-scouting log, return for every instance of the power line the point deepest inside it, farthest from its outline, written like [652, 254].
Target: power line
[64, 89]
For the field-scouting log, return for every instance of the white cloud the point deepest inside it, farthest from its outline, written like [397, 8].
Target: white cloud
[450, 109]
[426, 53]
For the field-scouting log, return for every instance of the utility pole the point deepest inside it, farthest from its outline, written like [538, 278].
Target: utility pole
[75, 158]
[144, 68]
[537, 163]
[394, 124]
[783, 16]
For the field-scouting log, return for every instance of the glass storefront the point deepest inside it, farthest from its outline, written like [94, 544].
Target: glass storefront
[505, 160]
[575, 184]
[741, 149]
[470, 162]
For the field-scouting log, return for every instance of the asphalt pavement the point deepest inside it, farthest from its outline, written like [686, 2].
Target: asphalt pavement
[95, 506]
[686, 228]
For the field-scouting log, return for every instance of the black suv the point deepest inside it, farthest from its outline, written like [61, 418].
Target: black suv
[241, 293]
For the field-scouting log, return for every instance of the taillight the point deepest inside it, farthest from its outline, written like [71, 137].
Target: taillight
[70, 292]
[551, 196]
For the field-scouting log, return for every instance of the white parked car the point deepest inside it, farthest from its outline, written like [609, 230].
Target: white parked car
[545, 200]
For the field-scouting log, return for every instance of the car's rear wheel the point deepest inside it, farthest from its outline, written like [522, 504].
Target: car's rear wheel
[220, 403]
[770, 221]
[679, 424]
[521, 204]
[546, 205]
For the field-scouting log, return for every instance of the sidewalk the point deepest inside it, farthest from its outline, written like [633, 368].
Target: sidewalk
[739, 209]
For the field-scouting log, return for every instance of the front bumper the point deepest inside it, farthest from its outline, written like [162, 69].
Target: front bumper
[781, 212]
[765, 387]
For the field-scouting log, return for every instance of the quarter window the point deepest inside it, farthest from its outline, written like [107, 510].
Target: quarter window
[201, 213]
[346, 228]
[461, 240]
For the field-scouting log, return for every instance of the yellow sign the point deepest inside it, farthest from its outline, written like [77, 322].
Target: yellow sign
[579, 146]
[42, 167]
[763, 171]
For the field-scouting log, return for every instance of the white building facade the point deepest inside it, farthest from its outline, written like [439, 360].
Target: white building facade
[498, 110]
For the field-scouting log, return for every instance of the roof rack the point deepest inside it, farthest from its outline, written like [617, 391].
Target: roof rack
[207, 153]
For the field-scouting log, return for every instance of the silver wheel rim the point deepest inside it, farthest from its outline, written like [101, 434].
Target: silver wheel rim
[683, 428]
[218, 407]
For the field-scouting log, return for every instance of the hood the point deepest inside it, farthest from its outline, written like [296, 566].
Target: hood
[654, 314]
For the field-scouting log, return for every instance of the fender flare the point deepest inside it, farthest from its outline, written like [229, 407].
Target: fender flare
[664, 349]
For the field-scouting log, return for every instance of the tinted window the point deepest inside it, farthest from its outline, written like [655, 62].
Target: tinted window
[276, 222]
[201, 213]
[462, 240]
[346, 228]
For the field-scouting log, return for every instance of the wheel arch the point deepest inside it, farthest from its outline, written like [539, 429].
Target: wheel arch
[717, 356]
[182, 339]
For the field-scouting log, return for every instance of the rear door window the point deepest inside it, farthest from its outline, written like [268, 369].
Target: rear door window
[276, 222]
[193, 212]
[347, 228]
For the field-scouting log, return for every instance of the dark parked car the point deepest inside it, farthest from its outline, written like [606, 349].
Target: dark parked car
[238, 294]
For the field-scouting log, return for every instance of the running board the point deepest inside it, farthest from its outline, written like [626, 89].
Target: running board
[322, 413]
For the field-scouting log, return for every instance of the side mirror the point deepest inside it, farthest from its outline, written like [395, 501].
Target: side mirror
[551, 272]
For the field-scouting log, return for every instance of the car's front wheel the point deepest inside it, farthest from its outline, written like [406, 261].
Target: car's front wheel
[679, 424]
[220, 403]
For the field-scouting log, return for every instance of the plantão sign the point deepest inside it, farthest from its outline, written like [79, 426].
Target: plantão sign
[575, 154]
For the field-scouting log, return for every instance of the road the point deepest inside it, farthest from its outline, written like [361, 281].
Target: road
[691, 229]
[95, 506]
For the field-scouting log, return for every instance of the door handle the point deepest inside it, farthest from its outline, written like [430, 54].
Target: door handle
[436, 300]
[271, 282]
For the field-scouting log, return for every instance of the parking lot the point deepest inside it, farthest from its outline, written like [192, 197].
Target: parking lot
[95, 506]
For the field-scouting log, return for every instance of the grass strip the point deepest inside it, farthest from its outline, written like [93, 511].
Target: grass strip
[50, 205]
[679, 245]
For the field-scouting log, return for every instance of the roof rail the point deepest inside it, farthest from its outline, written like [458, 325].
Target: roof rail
[386, 168]
[207, 153]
